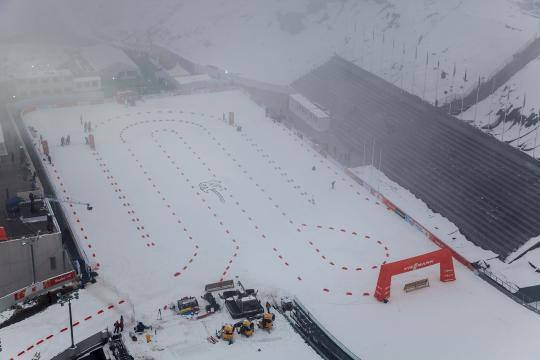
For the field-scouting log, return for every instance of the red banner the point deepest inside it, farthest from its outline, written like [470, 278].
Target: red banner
[3, 234]
[19, 295]
[59, 279]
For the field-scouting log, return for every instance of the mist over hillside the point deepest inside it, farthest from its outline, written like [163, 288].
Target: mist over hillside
[277, 41]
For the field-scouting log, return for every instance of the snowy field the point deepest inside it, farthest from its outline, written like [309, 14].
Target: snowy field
[181, 199]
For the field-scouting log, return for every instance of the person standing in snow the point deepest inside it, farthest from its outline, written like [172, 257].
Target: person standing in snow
[22, 156]
[333, 184]
[268, 306]
[62, 141]
[116, 327]
[68, 140]
[121, 323]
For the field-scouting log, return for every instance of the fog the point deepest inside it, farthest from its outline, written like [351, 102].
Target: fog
[196, 159]
[277, 41]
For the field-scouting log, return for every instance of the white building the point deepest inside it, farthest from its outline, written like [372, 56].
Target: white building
[309, 112]
[193, 82]
[108, 62]
[87, 83]
[43, 83]
[53, 83]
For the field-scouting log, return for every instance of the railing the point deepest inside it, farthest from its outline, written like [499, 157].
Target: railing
[85, 347]
[316, 335]
[76, 251]
[509, 289]
[471, 89]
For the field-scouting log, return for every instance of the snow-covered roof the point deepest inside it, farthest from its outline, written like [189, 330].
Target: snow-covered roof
[102, 57]
[186, 80]
[178, 70]
[248, 298]
[87, 78]
[44, 73]
[314, 109]
[28, 59]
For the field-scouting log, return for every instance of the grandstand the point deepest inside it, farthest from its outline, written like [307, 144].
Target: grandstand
[3, 148]
[488, 189]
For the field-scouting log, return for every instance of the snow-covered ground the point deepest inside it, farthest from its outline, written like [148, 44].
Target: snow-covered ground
[174, 337]
[182, 199]
[516, 274]
[277, 41]
[418, 210]
[512, 112]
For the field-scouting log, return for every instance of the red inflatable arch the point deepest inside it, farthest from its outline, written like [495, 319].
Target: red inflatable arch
[442, 257]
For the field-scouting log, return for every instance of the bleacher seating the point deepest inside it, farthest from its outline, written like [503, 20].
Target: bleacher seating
[488, 189]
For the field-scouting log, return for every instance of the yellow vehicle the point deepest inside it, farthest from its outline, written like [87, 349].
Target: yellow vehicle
[246, 328]
[226, 333]
[267, 321]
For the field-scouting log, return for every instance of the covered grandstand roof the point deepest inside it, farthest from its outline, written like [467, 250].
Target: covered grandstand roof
[490, 190]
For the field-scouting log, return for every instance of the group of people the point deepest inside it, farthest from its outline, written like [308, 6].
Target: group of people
[119, 325]
[64, 141]
[87, 126]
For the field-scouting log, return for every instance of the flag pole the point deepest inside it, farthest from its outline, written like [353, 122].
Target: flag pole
[425, 75]
[476, 103]
[536, 135]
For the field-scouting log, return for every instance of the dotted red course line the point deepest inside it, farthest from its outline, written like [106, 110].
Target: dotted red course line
[80, 228]
[250, 218]
[349, 293]
[234, 241]
[121, 197]
[298, 187]
[171, 211]
[352, 233]
[310, 151]
[76, 323]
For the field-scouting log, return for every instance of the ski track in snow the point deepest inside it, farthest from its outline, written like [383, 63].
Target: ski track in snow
[188, 149]
[156, 235]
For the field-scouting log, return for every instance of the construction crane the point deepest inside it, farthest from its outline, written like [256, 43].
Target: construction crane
[88, 206]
